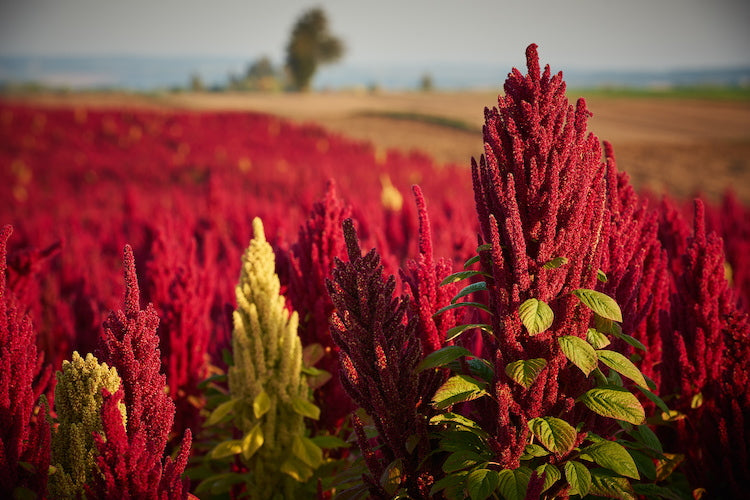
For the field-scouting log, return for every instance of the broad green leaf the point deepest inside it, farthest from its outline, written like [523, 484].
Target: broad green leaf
[666, 466]
[390, 480]
[648, 490]
[457, 389]
[252, 441]
[644, 435]
[533, 450]
[461, 460]
[306, 408]
[525, 371]
[612, 456]
[442, 357]
[621, 365]
[555, 434]
[478, 305]
[261, 404]
[535, 315]
[606, 485]
[631, 340]
[226, 449]
[329, 442]
[220, 412]
[551, 475]
[469, 289]
[307, 451]
[555, 263]
[462, 440]
[458, 330]
[644, 463]
[606, 325]
[578, 476]
[481, 368]
[458, 421]
[603, 305]
[597, 339]
[461, 275]
[655, 399]
[579, 352]
[614, 402]
[448, 482]
[481, 483]
[297, 469]
[601, 276]
[513, 483]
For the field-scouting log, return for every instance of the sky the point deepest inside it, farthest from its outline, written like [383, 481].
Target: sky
[586, 34]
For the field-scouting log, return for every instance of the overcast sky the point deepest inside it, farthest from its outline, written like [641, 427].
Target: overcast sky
[610, 34]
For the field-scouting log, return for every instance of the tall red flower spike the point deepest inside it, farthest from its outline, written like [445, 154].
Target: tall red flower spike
[131, 456]
[541, 194]
[24, 430]
[311, 261]
[379, 351]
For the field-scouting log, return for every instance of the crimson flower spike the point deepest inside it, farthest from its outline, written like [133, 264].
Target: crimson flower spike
[541, 194]
[131, 454]
[24, 437]
[379, 353]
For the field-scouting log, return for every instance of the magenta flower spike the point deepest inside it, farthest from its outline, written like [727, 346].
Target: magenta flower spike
[132, 453]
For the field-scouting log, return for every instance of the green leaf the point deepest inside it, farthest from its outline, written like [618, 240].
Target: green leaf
[442, 357]
[448, 482]
[220, 412]
[297, 469]
[578, 476]
[461, 460]
[614, 402]
[606, 325]
[261, 404]
[312, 353]
[631, 340]
[329, 442]
[252, 441]
[478, 305]
[533, 450]
[579, 352]
[550, 473]
[555, 263]
[226, 449]
[462, 440]
[606, 485]
[597, 339]
[655, 491]
[481, 483]
[654, 399]
[644, 464]
[457, 421]
[390, 480]
[219, 483]
[458, 330]
[471, 261]
[525, 371]
[468, 289]
[481, 368]
[307, 451]
[535, 315]
[601, 276]
[621, 365]
[306, 408]
[457, 389]
[644, 435]
[612, 456]
[461, 275]
[555, 434]
[513, 483]
[603, 305]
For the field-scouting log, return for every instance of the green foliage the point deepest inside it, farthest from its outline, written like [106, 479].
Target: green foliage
[536, 316]
[525, 371]
[78, 403]
[310, 44]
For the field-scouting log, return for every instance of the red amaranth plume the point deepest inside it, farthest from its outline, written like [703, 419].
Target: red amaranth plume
[24, 433]
[131, 456]
[379, 352]
[311, 261]
[541, 194]
[706, 364]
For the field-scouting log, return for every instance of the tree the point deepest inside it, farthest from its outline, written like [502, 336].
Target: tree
[310, 44]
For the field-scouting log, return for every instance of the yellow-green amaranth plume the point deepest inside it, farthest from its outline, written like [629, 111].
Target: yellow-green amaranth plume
[271, 395]
[78, 402]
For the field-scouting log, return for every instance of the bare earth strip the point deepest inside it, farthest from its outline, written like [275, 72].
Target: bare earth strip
[666, 145]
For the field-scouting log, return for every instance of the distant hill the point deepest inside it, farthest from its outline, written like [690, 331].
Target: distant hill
[151, 73]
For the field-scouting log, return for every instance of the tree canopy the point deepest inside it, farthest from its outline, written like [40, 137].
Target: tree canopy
[311, 44]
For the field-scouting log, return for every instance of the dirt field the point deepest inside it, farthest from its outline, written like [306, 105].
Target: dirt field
[665, 144]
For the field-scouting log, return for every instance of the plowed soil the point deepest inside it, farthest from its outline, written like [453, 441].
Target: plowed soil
[677, 146]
